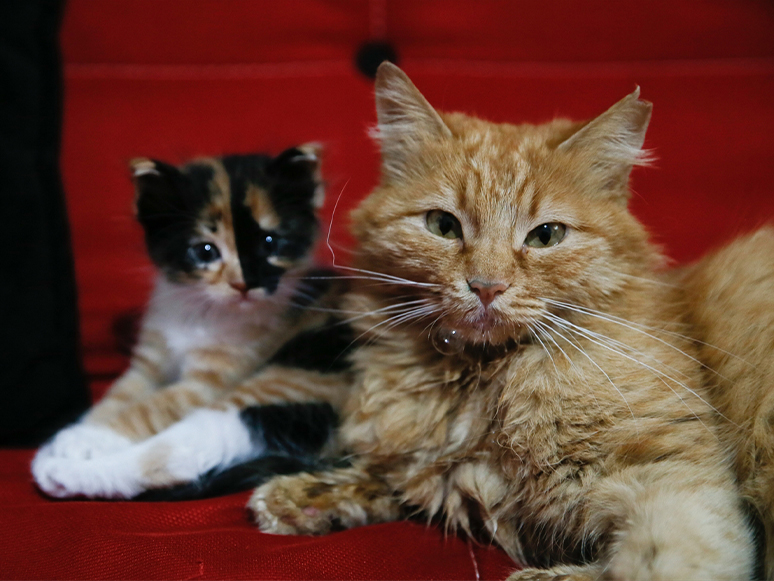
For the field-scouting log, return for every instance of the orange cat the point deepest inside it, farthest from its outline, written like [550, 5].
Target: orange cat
[732, 298]
[523, 376]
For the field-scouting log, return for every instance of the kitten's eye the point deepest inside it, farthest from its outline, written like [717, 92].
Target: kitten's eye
[444, 224]
[546, 235]
[204, 253]
[268, 245]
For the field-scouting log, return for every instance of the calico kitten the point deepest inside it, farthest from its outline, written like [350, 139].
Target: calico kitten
[523, 375]
[239, 317]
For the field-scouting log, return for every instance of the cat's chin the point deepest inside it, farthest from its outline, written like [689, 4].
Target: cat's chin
[451, 339]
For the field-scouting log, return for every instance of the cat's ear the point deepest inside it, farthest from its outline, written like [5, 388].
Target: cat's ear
[612, 142]
[157, 188]
[301, 163]
[405, 120]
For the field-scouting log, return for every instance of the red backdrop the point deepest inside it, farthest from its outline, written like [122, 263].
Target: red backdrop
[175, 79]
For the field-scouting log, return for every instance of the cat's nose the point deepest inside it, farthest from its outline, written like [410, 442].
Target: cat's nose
[239, 286]
[487, 291]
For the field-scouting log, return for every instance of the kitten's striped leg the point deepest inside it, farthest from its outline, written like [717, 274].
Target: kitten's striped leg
[91, 437]
[315, 504]
[277, 384]
[148, 371]
[206, 376]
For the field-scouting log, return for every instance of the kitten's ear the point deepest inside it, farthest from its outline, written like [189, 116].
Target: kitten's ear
[405, 120]
[612, 142]
[157, 188]
[301, 163]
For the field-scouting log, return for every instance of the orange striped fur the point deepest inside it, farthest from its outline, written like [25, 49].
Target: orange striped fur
[536, 388]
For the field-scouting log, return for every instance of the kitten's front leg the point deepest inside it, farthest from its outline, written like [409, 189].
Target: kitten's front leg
[316, 504]
[93, 436]
[206, 375]
[204, 440]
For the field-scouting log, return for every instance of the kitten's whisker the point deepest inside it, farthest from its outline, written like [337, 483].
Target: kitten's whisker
[330, 224]
[383, 276]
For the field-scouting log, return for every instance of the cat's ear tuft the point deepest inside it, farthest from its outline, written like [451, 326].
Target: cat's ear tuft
[143, 166]
[405, 120]
[301, 163]
[612, 143]
[156, 186]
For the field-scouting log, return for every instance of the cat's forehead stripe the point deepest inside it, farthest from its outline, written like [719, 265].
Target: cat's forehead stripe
[218, 209]
[495, 181]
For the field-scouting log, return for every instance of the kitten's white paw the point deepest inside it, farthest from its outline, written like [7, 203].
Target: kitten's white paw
[106, 477]
[83, 442]
[204, 440]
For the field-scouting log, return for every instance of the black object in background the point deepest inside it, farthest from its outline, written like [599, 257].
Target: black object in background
[41, 381]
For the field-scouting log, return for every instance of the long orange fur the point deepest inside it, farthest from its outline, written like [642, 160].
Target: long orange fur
[571, 420]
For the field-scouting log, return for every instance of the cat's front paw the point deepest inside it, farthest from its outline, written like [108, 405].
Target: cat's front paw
[105, 477]
[303, 505]
[84, 442]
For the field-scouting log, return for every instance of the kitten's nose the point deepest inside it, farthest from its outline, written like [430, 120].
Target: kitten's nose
[240, 286]
[487, 291]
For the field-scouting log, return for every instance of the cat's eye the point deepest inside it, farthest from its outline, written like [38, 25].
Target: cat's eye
[204, 253]
[444, 224]
[546, 235]
[267, 245]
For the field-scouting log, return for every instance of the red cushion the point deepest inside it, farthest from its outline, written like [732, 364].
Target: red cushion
[182, 78]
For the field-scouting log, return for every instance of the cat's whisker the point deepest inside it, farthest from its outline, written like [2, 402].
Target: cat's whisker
[631, 349]
[658, 373]
[383, 277]
[582, 351]
[638, 327]
[361, 315]
[548, 330]
[416, 312]
[590, 335]
[536, 335]
[659, 377]
[411, 315]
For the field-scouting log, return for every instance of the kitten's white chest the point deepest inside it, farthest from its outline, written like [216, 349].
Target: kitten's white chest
[189, 322]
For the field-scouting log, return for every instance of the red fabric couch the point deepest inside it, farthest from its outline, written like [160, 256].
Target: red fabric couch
[175, 79]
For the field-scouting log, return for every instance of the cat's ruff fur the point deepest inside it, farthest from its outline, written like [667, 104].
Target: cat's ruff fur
[214, 331]
[569, 422]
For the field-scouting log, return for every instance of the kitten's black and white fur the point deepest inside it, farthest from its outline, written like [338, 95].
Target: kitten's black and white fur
[239, 318]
